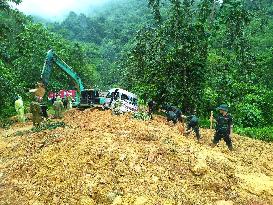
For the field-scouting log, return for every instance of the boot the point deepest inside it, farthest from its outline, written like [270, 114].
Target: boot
[213, 145]
[230, 147]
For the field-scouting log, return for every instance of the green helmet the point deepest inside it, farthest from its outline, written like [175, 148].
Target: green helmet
[223, 107]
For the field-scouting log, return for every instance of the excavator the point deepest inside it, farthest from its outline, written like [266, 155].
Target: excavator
[84, 98]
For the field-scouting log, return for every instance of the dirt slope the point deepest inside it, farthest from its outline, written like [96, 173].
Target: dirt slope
[103, 159]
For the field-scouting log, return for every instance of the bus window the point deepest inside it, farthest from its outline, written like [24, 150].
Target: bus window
[134, 101]
[108, 95]
[124, 97]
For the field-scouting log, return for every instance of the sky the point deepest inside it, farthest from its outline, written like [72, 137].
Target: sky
[56, 9]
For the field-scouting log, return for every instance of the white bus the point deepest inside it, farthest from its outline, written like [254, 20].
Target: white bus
[128, 100]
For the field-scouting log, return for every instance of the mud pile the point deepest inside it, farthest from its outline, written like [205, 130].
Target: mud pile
[103, 159]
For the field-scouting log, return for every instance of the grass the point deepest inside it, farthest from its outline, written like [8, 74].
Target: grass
[265, 133]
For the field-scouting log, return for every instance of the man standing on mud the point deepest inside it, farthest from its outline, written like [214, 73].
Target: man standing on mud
[151, 108]
[58, 107]
[223, 127]
[35, 109]
[19, 107]
[193, 124]
[173, 114]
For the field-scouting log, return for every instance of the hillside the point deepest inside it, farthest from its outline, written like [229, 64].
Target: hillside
[98, 158]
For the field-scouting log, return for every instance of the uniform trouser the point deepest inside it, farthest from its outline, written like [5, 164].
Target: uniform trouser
[69, 105]
[36, 119]
[21, 115]
[195, 129]
[58, 114]
[174, 120]
[226, 136]
[44, 111]
[150, 112]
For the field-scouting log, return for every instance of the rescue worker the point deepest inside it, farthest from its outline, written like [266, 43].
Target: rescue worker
[58, 107]
[193, 125]
[69, 100]
[65, 102]
[35, 109]
[19, 107]
[171, 116]
[53, 99]
[151, 108]
[114, 97]
[223, 127]
[44, 110]
[173, 113]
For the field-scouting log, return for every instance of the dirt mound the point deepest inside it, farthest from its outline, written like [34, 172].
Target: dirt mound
[103, 159]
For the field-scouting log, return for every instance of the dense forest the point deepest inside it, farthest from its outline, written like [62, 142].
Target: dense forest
[194, 54]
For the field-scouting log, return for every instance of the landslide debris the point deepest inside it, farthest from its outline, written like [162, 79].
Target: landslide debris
[98, 158]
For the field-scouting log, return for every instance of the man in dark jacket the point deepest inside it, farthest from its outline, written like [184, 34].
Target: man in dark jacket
[35, 109]
[151, 108]
[44, 110]
[223, 127]
[114, 97]
[173, 114]
[193, 124]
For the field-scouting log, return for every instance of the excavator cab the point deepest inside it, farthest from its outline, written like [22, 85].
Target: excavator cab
[89, 98]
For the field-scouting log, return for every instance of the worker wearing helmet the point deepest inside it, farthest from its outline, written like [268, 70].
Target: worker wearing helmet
[35, 109]
[193, 125]
[173, 114]
[223, 127]
[58, 107]
[69, 99]
[151, 108]
[19, 107]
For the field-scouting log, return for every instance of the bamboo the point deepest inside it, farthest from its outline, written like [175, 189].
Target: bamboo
[211, 119]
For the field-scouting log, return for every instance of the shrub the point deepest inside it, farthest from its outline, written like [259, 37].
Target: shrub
[265, 133]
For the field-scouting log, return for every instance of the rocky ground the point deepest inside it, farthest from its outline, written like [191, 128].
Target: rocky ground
[98, 158]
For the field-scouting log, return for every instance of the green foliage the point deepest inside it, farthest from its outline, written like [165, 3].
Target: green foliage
[248, 115]
[170, 58]
[204, 54]
[204, 123]
[193, 54]
[22, 54]
[265, 133]
[141, 116]
[111, 29]
[48, 126]
[7, 84]
[6, 123]
[4, 4]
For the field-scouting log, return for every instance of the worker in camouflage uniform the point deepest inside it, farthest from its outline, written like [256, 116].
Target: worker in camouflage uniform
[173, 114]
[193, 124]
[19, 107]
[69, 99]
[223, 127]
[35, 109]
[58, 107]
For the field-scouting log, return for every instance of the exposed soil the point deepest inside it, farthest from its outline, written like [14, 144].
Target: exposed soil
[99, 158]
